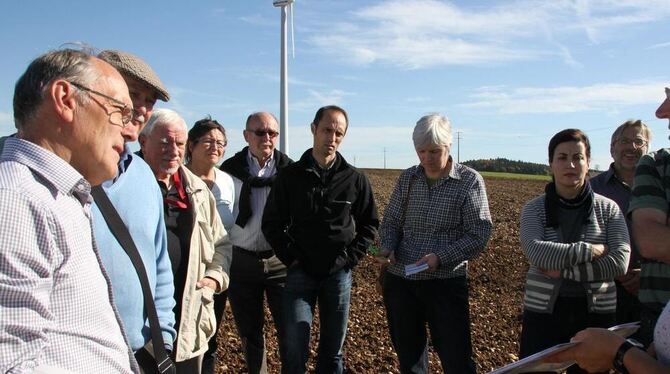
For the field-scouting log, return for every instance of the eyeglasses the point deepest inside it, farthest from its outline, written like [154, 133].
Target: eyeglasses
[121, 117]
[637, 142]
[262, 133]
[209, 143]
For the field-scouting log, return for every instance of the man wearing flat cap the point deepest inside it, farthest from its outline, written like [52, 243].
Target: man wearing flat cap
[139, 203]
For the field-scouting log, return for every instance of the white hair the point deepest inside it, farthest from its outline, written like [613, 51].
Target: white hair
[432, 129]
[162, 117]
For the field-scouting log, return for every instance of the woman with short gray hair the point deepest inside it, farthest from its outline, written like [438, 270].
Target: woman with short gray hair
[436, 220]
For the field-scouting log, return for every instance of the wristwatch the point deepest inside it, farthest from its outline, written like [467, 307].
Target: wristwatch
[623, 348]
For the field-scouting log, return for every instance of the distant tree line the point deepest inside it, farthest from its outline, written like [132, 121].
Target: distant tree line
[508, 166]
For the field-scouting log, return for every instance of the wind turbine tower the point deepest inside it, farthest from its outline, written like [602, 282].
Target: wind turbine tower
[286, 6]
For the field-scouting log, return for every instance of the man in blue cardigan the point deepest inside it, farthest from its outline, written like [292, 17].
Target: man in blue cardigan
[138, 200]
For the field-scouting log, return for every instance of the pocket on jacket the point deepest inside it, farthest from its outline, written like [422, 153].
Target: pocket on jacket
[207, 241]
[206, 318]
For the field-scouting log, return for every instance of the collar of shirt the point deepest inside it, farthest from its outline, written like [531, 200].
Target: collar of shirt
[454, 171]
[51, 168]
[255, 168]
[611, 177]
[124, 161]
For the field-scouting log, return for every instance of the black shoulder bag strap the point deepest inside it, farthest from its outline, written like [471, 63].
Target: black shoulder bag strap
[120, 231]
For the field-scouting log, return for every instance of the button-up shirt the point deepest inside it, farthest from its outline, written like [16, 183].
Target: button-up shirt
[250, 236]
[609, 185]
[449, 218]
[56, 303]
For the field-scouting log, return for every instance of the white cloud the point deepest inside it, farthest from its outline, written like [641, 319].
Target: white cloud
[565, 99]
[659, 45]
[259, 20]
[426, 33]
[316, 99]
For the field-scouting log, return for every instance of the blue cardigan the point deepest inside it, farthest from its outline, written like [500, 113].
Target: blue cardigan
[137, 198]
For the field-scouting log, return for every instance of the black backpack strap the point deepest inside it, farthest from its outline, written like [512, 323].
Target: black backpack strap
[120, 231]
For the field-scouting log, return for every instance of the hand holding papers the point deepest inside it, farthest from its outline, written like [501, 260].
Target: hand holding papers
[535, 363]
[414, 268]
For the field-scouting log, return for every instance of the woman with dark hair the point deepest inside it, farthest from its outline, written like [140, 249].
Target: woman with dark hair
[205, 148]
[576, 242]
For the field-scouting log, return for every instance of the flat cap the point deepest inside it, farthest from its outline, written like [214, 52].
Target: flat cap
[135, 67]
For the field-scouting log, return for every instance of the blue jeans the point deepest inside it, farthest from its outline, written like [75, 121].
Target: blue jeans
[443, 305]
[301, 294]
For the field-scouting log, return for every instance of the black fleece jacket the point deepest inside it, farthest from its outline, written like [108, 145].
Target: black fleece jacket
[326, 220]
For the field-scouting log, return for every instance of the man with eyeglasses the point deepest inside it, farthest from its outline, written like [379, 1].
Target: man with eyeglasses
[137, 199]
[56, 302]
[256, 272]
[649, 210]
[629, 142]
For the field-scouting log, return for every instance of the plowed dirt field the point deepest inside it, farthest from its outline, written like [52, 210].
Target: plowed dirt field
[496, 284]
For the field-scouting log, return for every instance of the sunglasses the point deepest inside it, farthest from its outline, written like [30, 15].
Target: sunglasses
[262, 133]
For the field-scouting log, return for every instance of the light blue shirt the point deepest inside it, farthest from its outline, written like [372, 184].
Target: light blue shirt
[138, 200]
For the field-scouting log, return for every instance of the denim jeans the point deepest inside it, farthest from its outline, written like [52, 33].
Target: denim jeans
[443, 305]
[301, 294]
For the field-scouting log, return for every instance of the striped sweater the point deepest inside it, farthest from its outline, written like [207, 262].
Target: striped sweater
[652, 190]
[544, 250]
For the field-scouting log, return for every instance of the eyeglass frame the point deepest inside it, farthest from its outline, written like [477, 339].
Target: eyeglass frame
[261, 133]
[625, 141]
[121, 106]
[208, 142]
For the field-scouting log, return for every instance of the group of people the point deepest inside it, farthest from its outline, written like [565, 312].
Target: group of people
[121, 261]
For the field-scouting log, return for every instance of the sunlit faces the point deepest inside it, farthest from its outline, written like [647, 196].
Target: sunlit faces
[569, 166]
[262, 146]
[329, 132]
[164, 148]
[434, 159]
[628, 148]
[209, 149]
[144, 98]
[97, 143]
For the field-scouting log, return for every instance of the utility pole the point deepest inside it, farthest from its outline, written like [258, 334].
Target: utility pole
[458, 147]
[384, 158]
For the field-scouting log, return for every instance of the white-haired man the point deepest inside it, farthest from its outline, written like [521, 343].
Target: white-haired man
[198, 245]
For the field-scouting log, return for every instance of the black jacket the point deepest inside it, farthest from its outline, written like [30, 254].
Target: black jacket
[324, 220]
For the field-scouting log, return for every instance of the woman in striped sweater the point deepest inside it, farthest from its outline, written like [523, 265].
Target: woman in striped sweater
[576, 242]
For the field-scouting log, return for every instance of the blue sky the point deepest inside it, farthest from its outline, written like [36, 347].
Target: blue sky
[509, 74]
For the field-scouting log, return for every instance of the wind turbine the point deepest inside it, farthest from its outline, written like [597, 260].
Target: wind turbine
[286, 6]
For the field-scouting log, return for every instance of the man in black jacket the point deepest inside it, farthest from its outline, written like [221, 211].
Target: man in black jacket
[320, 219]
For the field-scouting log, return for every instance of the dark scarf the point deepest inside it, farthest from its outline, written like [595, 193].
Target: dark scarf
[553, 203]
[238, 167]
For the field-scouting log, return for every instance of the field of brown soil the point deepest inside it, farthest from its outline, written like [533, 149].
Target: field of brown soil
[496, 283]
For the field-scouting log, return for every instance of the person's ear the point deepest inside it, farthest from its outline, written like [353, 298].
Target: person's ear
[63, 97]
[313, 128]
[142, 139]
